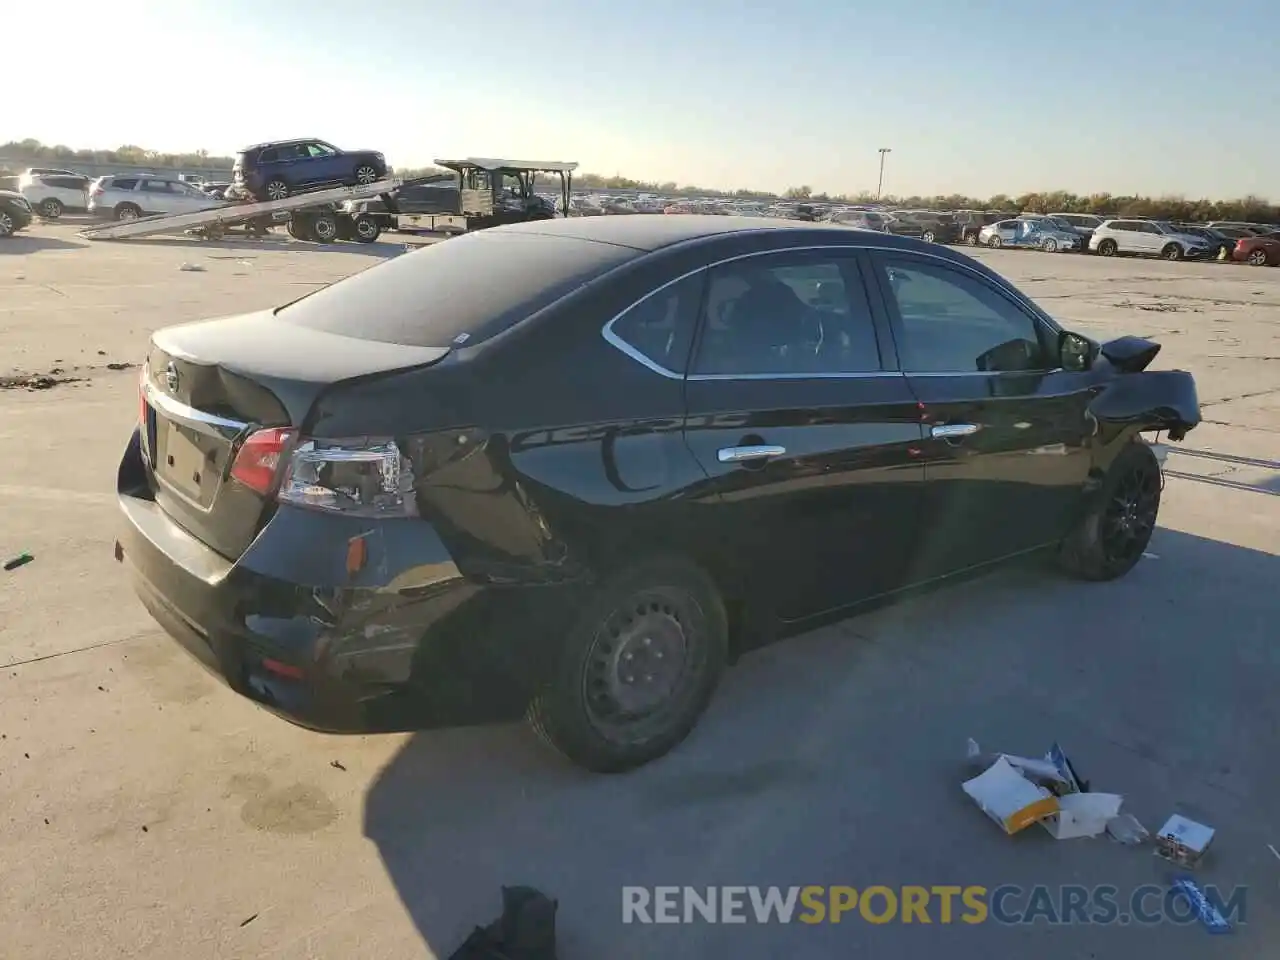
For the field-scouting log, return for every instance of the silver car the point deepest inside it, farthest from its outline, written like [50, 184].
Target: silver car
[140, 195]
[1036, 233]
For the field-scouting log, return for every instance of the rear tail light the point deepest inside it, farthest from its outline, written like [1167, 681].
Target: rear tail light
[257, 463]
[366, 477]
[1240, 243]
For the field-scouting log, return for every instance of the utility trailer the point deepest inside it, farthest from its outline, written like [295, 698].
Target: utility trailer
[310, 216]
[483, 192]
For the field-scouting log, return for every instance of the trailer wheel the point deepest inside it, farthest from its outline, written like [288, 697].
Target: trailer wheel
[324, 228]
[366, 228]
[300, 226]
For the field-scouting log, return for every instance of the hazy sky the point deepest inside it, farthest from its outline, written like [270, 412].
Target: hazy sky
[973, 96]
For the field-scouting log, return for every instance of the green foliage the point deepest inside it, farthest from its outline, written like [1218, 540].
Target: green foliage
[32, 152]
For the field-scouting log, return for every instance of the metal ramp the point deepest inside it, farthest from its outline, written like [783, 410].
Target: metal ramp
[235, 213]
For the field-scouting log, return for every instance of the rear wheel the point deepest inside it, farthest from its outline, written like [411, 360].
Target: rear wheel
[928, 236]
[637, 669]
[7, 225]
[51, 208]
[1114, 532]
[128, 211]
[324, 228]
[1108, 248]
[1258, 258]
[366, 228]
[1172, 251]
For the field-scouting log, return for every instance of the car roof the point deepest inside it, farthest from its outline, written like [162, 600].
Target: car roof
[275, 143]
[653, 231]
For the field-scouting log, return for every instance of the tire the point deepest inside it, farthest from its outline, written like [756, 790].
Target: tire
[1050, 245]
[324, 228]
[1172, 251]
[658, 610]
[275, 189]
[365, 174]
[1258, 258]
[1117, 525]
[7, 224]
[365, 229]
[928, 237]
[1108, 248]
[995, 242]
[299, 227]
[127, 211]
[51, 208]
[971, 239]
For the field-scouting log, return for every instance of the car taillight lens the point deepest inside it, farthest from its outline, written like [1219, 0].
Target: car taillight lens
[1240, 242]
[257, 463]
[365, 477]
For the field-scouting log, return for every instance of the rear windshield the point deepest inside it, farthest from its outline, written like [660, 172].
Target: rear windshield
[461, 290]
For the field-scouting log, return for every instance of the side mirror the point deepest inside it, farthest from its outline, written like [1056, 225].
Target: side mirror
[1076, 353]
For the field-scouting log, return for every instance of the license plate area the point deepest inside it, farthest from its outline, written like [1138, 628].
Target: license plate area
[189, 462]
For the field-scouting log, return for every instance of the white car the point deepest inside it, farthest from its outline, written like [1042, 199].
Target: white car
[127, 197]
[53, 194]
[1151, 238]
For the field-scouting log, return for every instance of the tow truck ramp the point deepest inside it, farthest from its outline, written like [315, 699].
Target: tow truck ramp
[235, 213]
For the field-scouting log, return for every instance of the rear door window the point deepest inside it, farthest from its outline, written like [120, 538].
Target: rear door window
[459, 292]
[123, 183]
[658, 330]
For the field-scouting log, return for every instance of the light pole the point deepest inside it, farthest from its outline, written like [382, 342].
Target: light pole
[880, 185]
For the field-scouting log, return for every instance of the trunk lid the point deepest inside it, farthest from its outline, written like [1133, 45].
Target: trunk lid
[208, 385]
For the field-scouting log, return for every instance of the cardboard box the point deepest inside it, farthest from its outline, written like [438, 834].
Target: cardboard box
[1183, 841]
[1009, 798]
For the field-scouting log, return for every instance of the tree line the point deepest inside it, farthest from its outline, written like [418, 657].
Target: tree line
[34, 153]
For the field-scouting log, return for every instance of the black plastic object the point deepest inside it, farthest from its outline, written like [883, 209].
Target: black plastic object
[1130, 354]
[525, 931]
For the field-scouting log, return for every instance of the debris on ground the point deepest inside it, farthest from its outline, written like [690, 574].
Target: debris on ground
[191, 268]
[118, 365]
[1018, 791]
[525, 931]
[21, 560]
[337, 765]
[1210, 916]
[1009, 798]
[1183, 841]
[248, 920]
[33, 381]
[1128, 830]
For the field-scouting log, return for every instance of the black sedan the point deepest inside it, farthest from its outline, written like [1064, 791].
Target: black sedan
[599, 457]
[15, 212]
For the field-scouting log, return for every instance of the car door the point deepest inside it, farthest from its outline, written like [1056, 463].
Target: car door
[1130, 238]
[807, 431]
[294, 165]
[155, 196]
[1006, 454]
[1008, 230]
[322, 163]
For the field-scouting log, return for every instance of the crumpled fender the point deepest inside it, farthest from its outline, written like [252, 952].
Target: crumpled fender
[1150, 400]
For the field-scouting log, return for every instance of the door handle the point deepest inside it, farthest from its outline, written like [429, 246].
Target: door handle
[761, 451]
[950, 431]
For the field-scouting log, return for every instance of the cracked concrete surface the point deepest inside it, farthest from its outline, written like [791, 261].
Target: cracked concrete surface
[146, 812]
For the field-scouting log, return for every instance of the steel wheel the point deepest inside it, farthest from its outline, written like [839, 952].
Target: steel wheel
[638, 662]
[6, 223]
[366, 174]
[367, 229]
[1258, 258]
[324, 228]
[1130, 515]
[277, 190]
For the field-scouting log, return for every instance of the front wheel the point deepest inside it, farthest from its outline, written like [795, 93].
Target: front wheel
[365, 228]
[7, 225]
[1114, 532]
[324, 228]
[928, 236]
[1172, 252]
[995, 243]
[637, 669]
